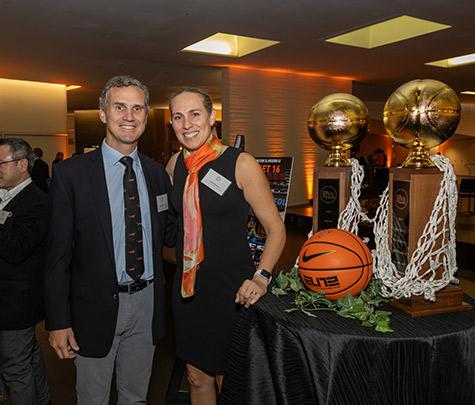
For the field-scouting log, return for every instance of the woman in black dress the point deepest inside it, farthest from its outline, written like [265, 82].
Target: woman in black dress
[213, 187]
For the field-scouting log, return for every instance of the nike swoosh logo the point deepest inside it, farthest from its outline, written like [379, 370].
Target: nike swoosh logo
[306, 258]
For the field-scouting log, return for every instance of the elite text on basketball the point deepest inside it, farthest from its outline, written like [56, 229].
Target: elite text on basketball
[331, 281]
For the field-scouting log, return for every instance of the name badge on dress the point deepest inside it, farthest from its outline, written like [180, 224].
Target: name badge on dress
[162, 203]
[4, 215]
[216, 182]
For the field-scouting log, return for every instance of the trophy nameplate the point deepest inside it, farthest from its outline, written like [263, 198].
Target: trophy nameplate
[332, 189]
[400, 224]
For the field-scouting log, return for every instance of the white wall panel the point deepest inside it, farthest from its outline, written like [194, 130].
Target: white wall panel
[32, 108]
[271, 109]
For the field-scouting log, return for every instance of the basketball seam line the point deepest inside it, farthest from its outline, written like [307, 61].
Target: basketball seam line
[341, 246]
[336, 268]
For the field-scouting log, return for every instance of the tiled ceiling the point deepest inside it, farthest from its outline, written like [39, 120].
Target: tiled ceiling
[85, 42]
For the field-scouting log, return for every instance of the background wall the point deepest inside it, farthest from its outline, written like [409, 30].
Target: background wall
[271, 110]
[32, 108]
[37, 113]
[50, 144]
[460, 150]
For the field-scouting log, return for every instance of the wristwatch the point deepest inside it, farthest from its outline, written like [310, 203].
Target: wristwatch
[264, 274]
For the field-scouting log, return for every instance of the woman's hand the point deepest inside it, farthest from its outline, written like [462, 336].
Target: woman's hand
[251, 291]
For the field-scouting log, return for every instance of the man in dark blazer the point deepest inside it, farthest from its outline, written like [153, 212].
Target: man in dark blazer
[98, 311]
[40, 171]
[24, 217]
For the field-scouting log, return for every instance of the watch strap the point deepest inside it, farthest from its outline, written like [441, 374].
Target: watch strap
[266, 275]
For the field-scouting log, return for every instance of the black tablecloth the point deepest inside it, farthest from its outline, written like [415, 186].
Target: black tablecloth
[282, 358]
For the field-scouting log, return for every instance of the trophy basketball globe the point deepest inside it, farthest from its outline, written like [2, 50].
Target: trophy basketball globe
[337, 123]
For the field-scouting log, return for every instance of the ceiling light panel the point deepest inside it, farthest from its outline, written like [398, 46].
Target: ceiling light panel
[229, 45]
[388, 32]
[454, 61]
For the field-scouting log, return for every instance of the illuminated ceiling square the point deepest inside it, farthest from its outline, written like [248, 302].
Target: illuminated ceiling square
[454, 61]
[229, 45]
[388, 32]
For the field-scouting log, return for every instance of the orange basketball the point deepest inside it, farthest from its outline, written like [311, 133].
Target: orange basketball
[335, 262]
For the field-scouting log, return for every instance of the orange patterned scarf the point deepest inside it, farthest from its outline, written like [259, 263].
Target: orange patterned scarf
[193, 247]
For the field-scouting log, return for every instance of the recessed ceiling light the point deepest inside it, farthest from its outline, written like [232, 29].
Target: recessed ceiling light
[387, 32]
[471, 93]
[454, 62]
[229, 45]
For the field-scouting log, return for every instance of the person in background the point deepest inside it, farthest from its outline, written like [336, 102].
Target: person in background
[24, 217]
[213, 187]
[380, 158]
[40, 171]
[104, 280]
[59, 157]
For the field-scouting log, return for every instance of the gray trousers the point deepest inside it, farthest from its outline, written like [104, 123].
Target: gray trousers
[22, 368]
[131, 353]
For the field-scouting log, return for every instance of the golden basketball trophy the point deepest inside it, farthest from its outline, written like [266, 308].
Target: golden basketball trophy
[419, 115]
[337, 123]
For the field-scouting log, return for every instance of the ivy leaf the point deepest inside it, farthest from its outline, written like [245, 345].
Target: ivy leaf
[383, 327]
[383, 314]
[293, 285]
[278, 291]
[282, 281]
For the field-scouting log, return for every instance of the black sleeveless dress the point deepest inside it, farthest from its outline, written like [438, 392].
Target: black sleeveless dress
[204, 323]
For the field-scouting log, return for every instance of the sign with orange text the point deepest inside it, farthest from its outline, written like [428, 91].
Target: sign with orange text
[278, 172]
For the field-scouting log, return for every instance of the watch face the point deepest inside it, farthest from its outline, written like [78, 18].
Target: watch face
[266, 274]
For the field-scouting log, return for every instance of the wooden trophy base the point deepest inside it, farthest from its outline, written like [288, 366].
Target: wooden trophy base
[449, 299]
[331, 192]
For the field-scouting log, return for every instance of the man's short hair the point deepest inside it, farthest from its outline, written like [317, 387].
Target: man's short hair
[123, 81]
[20, 149]
[38, 152]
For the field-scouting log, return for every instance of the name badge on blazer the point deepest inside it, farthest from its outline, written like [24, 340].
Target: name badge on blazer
[216, 182]
[162, 202]
[4, 215]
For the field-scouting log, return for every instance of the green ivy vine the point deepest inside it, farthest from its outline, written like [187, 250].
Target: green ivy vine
[363, 307]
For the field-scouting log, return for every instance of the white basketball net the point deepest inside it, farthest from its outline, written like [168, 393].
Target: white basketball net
[439, 230]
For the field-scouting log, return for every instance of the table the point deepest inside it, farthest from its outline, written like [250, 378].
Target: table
[292, 359]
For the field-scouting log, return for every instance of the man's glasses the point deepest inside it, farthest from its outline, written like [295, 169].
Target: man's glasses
[9, 161]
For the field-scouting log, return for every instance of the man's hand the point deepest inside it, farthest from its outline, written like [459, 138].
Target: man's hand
[64, 343]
